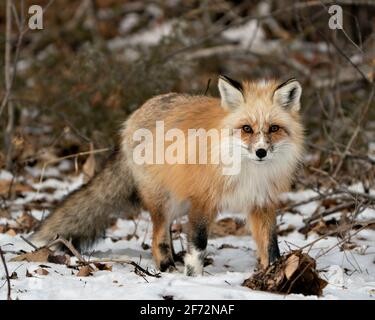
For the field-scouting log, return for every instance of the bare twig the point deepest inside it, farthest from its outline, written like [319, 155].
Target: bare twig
[8, 85]
[6, 274]
[355, 133]
[207, 87]
[348, 154]
[342, 53]
[29, 243]
[10, 76]
[340, 229]
[75, 155]
[364, 226]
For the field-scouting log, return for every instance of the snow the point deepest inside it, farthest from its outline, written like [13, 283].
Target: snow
[5, 175]
[147, 37]
[129, 22]
[247, 34]
[350, 273]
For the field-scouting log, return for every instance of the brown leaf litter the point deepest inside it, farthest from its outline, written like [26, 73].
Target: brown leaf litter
[294, 272]
[23, 224]
[85, 271]
[43, 255]
[228, 226]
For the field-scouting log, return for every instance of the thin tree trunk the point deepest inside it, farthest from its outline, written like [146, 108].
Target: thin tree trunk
[10, 125]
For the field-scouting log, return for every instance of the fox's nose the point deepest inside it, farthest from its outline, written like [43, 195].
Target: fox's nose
[261, 153]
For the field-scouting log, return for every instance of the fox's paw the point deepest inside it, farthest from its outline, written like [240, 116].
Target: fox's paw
[171, 269]
[194, 263]
[167, 266]
[193, 271]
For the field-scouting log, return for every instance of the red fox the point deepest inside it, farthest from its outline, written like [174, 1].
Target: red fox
[266, 113]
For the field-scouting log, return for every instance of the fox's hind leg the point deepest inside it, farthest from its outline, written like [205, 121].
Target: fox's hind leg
[162, 250]
[263, 229]
[167, 208]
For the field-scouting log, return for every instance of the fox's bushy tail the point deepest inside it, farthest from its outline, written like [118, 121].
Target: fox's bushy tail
[84, 215]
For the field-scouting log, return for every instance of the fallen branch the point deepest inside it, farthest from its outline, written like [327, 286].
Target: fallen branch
[69, 245]
[300, 203]
[82, 261]
[125, 261]
[319, 215]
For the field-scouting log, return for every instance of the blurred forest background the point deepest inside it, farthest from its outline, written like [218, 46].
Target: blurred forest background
[66, 89]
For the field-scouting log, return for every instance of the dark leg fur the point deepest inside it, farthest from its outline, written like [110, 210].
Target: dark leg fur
[273, 247]
[162, 248]
[198, 236]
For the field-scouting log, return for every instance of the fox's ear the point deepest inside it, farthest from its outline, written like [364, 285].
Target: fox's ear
[288, 95]
[231, 93]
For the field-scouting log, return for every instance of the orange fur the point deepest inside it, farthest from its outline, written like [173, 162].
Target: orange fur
[262, 222]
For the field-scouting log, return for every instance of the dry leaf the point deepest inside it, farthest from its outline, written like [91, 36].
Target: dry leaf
[292, 264]
[84, 271]
[11, 232]
[329, 202]
[4, 213]
[294, 272]
[103, 266]
[26, 222]
[40, 255]
[348, 246]
[59, 259]
[7, 185]
[41, 271]
[89, 165]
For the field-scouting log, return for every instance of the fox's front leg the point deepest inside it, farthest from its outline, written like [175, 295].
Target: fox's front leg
[197, 243]
[263, 229]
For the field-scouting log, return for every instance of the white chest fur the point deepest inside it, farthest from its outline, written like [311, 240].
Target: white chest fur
[255, 185]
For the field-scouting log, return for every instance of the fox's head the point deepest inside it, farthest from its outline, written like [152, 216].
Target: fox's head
[267, 113]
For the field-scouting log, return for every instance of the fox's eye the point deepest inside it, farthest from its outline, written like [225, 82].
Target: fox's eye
[246, 128]
[274, 128]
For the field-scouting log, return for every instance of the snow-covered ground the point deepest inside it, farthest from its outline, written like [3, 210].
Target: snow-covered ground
[350, 273]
